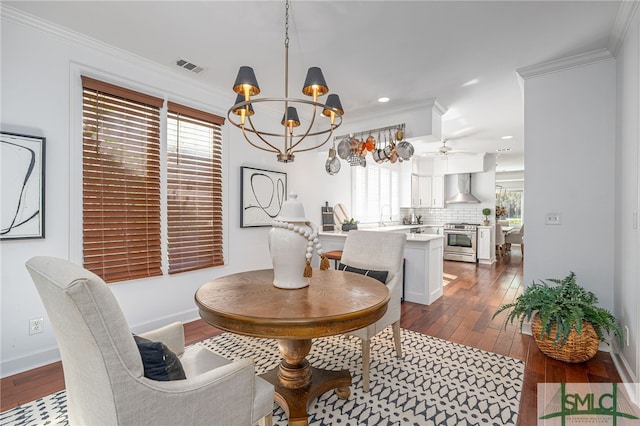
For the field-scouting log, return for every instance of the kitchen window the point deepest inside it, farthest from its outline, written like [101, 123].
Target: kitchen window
[122, 179]
[512, 200]
[375, 193]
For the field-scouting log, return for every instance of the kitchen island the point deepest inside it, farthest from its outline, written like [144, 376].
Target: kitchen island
[423, 262]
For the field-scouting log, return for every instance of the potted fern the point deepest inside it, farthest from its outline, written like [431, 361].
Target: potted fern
[565, 321]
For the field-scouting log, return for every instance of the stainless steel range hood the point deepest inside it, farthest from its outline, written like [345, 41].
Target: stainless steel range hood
[464, 195]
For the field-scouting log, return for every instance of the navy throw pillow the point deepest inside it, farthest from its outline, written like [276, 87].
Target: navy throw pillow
[158, 361]
[378, 275]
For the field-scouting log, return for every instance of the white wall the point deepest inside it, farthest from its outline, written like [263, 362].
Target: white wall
[39, 82]
[627, 187]
[510, 180]
[569, 164]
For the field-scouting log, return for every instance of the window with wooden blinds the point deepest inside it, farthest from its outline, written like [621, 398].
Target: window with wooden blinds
[121, 182]
[194, 189]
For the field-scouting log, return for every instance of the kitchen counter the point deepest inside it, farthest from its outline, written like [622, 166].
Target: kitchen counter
[410, 237]
[423, 256]
[404, 228]
[392, 228]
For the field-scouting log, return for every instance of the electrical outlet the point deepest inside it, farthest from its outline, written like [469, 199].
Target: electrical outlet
[553, 218]
[36, 326]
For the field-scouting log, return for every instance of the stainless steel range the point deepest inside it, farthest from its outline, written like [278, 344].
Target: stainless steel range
[460, 242]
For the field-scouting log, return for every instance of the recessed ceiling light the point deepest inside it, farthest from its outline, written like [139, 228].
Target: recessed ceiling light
[383, 99]
[507, 137]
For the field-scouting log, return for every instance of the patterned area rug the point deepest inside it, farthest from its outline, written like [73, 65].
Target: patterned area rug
[435, 383]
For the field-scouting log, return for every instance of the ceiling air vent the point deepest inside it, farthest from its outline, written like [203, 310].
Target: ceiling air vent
[189, 66]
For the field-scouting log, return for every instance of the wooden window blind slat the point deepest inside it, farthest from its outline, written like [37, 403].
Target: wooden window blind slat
[194, 189]
[121, 182]
[120, 92]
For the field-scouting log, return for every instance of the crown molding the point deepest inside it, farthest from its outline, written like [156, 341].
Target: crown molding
[569, 62]
[621, 25]
[10, 14]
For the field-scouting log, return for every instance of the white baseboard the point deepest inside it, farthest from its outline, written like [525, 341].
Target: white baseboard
[628, 377]
[52, 354]
[13, 366]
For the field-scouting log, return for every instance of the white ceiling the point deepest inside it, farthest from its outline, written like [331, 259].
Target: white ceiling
[407, 50]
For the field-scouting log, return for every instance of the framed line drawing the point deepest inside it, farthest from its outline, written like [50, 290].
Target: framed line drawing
[22, 186]
[262, 195]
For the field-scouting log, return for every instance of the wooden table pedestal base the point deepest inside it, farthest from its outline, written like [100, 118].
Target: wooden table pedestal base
[294, 401]
[297, 383]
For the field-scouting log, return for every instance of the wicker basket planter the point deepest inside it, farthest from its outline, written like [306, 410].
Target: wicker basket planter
[563, 302]
[578, 348]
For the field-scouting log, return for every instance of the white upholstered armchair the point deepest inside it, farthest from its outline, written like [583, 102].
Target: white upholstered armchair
[103, 368]
[379, 251]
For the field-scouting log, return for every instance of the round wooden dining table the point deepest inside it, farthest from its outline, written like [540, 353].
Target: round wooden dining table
[335, 302]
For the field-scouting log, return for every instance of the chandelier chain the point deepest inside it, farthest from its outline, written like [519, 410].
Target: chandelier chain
[286, 24]
[314, 86]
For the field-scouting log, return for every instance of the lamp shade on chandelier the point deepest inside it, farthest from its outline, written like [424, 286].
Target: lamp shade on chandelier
[301, 132]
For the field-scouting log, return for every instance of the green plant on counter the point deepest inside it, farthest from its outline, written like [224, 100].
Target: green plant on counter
[350, 224]
[565, 305]
[486, 212]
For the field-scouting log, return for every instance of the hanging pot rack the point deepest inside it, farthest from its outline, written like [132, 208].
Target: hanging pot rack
[366, 133]
[354, 146]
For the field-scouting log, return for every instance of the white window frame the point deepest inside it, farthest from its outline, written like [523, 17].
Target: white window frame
[381, 184]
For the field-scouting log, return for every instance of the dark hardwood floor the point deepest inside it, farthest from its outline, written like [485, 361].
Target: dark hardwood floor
[462, 315]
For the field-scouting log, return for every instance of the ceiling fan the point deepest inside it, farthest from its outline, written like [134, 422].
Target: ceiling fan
[446, 150]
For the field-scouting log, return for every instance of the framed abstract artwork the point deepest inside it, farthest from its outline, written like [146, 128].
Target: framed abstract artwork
[262, 195]
[22, 186]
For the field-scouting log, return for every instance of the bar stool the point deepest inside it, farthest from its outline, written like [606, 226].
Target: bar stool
[336, 255]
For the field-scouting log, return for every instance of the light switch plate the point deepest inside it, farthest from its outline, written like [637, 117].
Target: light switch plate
[553, 218]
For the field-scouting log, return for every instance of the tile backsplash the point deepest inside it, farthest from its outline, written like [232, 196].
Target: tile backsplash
[457, 214]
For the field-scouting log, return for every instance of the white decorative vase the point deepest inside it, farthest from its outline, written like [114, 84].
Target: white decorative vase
[289, 245]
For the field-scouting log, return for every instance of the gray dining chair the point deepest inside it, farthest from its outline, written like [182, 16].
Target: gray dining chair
[500, 240]
[516, 237]
[378, 251]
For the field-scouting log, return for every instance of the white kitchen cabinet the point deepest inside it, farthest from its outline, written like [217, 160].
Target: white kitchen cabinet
[437, 192]
[420, 191]
[423, 271]
[485, 244]
[465, 164]
[427, 191]
[440, 166]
